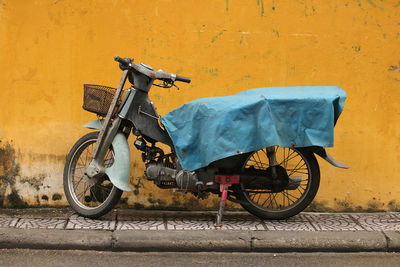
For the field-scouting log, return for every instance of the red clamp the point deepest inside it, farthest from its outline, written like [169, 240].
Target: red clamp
[224, 181]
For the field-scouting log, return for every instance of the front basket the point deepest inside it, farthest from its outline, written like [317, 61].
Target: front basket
[97, 98]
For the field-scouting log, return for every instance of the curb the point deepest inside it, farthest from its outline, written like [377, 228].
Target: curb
[201, 241]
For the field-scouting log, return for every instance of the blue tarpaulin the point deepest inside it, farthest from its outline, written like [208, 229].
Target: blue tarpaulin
[213, 128]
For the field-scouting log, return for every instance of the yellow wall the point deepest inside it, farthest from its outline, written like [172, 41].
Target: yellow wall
[48, 49]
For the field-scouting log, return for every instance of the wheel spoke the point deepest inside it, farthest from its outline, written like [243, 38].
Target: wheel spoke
[93, 194]
[257, 162]
[75, 185]
[265, 201]
[296, 167]
[276, 203]
[260, 164]
[289, 158]
[259, 159]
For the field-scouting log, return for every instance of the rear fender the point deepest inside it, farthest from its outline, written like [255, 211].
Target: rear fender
[321, 151]
[119, 171]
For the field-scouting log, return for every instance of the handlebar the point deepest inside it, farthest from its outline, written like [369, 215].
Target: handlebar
[182, 79]
[125, 63]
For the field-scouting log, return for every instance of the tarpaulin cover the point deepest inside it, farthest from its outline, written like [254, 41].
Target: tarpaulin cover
[213, 128]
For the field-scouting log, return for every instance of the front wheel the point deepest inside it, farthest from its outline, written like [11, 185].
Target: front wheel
[90, 198]
[301, 167]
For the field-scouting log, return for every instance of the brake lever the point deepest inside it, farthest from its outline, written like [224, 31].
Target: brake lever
[173, 84]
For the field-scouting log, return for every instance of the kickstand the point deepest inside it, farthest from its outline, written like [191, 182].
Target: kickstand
[224, 182]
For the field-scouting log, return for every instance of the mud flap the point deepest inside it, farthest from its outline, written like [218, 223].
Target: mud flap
[119, 171]
[321, 151]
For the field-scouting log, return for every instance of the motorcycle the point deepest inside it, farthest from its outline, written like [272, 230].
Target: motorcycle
[270, 181]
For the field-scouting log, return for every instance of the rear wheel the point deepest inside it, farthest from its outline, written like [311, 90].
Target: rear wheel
[90, 198]
[302, 169]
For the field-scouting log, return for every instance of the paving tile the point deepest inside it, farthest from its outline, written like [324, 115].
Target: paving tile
[78, 222]
[141, 223]
[333, 222]
[47, 223]
[378, 222]
[240, 223]
[8, 222]
[190, 223]
[296, 223]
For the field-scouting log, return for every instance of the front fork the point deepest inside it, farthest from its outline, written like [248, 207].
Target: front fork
[96, 169]
[107, 133]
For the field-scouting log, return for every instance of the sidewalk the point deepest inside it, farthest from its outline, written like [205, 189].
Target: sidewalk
[132, 230]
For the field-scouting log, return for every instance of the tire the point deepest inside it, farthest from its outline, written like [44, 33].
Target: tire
[89, 198]
[287, 203]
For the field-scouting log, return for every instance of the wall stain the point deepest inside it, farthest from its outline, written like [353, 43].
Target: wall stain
[123, 203]
[347, 205]
[309, 9]
[318, 206]
[138, 206]
[394, 67]
[226, 5]
[15, 201]
[375, 205]
[10, 176]
[46, 157]
[56, 196]
[156, 202]
[217, 36]
[359, 4]
[136, 186]
[357, 48]
[372, 3]
[35, 182]
[393, 206]
[9, 170]
[213, 72]
[260, 3]
[344, 205]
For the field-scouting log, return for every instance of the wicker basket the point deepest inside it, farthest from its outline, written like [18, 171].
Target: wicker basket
[98, 98]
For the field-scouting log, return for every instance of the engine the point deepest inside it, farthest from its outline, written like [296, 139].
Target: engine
[166, 177]
[161, 169]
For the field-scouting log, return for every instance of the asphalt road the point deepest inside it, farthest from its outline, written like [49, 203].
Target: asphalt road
[43, 258]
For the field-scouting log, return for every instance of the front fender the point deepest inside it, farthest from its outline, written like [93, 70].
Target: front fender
[119, 171]
[321, 151]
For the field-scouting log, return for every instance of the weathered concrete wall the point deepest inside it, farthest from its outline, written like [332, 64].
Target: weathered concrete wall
[48, 49]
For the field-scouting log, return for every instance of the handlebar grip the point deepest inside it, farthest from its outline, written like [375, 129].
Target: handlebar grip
[123, 61]
[182, 79]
